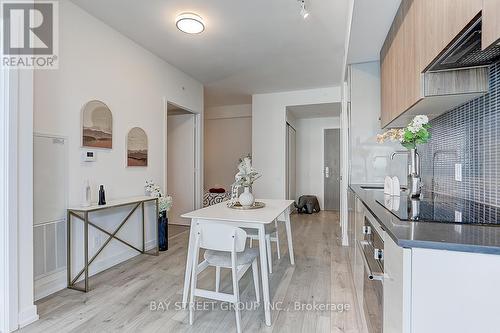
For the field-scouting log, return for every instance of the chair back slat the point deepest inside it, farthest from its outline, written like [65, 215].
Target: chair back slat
[220, 236]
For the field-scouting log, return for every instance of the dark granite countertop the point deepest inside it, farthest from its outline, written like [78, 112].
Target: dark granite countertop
[431, 235]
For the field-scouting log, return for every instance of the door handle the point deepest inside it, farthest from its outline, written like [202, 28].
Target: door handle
[327, 172]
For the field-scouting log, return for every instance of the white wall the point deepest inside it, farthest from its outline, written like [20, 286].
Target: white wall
[228, 136]
[269, 134]
[310, 155]
[97, 62]
[369, 161]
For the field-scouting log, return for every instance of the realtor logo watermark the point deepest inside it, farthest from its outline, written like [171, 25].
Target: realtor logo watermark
[30, 34]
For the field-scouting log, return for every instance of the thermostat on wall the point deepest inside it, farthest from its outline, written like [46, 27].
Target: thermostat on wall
[88, 156]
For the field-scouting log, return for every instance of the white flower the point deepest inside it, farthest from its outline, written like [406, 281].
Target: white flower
[164, 202]
[246, 173]
[420, 120]
[414, 128]
[417, 123]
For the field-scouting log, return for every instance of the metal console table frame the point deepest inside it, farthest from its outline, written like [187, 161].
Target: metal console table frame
[77, 211]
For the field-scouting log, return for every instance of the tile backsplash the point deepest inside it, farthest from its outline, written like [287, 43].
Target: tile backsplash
[467, 135]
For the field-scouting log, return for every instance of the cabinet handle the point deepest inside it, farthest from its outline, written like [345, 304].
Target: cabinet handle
[378, 254]
[367, 230]
[371, 275]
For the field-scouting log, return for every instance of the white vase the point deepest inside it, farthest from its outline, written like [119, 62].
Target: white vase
[246, 198]
[86, 194]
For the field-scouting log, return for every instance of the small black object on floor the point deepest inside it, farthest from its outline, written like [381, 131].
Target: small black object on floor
[307, 204]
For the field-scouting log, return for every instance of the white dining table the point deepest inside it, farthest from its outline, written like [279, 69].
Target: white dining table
[252, 218]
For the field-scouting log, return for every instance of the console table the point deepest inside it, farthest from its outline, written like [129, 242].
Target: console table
[82, 214]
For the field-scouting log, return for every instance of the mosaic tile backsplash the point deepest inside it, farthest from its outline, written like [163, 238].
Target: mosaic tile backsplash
[470, 135]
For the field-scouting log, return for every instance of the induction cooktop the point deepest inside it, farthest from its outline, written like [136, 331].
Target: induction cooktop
[434, 207]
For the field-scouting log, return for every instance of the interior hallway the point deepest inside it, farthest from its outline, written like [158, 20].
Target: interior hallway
[120, 297]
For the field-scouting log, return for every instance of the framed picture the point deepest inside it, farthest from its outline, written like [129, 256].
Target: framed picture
[97, 125]
[137, 148]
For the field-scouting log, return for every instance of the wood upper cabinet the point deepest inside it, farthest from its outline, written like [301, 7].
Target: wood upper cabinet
[421, 30]
[491, 23]
[442, 21]
[400, 60]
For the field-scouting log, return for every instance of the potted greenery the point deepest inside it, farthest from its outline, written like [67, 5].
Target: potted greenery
[416, 133]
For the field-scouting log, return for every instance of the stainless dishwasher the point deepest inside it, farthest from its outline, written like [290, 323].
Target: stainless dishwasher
[371, 247]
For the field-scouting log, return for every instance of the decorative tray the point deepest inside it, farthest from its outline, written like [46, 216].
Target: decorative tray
[256, 205]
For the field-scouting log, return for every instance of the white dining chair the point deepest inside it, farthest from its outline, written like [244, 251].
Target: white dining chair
[225, 246]
[272, 235]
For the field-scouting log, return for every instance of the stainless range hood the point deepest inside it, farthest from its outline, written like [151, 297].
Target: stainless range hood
[466, 51]
[457, 76]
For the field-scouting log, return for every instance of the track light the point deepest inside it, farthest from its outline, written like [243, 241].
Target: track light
[303, 11]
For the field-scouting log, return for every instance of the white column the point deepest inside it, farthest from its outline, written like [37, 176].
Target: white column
[4, 203]
[27, 308]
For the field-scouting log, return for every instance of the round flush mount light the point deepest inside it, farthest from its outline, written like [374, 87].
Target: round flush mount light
[190, 23]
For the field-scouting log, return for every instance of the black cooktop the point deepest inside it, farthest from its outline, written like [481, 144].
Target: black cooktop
[433, 207]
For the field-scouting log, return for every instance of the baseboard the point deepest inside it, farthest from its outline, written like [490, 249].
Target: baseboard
[50, 284]
[57, 281]
[103, 264]
[28, 316]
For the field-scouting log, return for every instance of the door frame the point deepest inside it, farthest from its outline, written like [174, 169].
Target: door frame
[5, 241]
[287, 164]
[323, 163]
[198, 151]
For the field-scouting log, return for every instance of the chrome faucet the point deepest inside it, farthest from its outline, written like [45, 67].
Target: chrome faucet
[414, 179]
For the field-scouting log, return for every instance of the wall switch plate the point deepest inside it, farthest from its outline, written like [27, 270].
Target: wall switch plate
[88, 156]
[458, 172]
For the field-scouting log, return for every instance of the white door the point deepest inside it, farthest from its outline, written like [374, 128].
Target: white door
[181, 166]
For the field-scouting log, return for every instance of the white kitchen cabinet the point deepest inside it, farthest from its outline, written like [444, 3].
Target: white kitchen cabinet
[397, 287]
[454, 292]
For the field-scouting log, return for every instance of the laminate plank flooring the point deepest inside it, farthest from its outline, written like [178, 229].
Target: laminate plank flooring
[127, 297]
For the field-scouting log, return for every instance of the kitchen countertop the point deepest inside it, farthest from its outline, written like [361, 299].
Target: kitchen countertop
[431, 235]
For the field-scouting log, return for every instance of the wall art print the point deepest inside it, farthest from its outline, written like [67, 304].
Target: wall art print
[97, 125]
[137, 148]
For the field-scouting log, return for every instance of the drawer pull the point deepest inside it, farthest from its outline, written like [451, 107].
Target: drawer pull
[371, 274]
[378, 254]
[367, 230]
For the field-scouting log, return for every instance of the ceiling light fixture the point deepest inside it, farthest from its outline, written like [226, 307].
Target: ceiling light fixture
[190, 23]
[303, 11]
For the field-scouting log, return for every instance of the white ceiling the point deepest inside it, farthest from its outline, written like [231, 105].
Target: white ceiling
[315, 110]
[248, 47]
[370, 24]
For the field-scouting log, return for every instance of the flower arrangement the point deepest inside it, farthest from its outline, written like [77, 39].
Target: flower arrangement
[416, 133]
[246, 175]
[164, 202]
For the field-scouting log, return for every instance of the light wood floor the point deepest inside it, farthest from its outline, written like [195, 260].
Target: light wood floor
[121, 297]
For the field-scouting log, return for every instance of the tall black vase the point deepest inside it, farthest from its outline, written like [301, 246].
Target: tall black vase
[163, 232]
